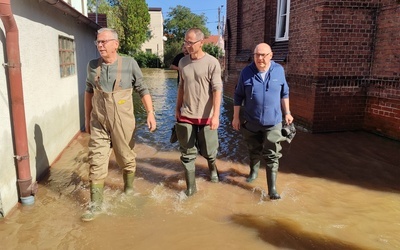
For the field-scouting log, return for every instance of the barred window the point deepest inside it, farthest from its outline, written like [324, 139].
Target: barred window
[282, 20]
[66, 47]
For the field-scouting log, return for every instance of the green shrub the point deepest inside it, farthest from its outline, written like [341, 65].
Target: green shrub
[147, 60]
[213, 50]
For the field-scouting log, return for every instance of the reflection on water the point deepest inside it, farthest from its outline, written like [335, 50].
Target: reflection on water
[339, 191]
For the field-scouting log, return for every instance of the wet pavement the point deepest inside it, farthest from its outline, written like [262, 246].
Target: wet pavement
[339, 191]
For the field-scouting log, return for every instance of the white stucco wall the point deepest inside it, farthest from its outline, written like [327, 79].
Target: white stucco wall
[79, 5]
[156, 43]
[53, 105]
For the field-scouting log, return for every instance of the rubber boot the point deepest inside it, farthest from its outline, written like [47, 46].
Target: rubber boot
[190, 183]
[271, 182]
[96, 200]
[128, 182]
[214, 176]
[253, 172]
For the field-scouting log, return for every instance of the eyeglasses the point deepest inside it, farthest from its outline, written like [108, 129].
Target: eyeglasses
[98, 42]
[261, 55]
[188, 43]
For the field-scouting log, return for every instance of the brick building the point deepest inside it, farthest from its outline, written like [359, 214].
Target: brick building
[342, 58]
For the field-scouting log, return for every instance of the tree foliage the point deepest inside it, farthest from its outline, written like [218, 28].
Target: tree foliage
[213, 50]
[130, 18]
[148, 60]
[177, 22]
[135, 19]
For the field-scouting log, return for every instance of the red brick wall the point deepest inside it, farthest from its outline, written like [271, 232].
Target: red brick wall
[245, 29]
[343, 65]
[383, 108]
[383, 104]
[329, 56]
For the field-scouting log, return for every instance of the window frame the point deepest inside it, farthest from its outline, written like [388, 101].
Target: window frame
[280, 16]
[66, 52]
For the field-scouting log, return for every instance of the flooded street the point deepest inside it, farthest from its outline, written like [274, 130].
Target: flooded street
[339, 191]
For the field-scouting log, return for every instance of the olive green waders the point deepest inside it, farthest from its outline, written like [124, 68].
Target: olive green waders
[112, 123]
[194, 138]
[264, 143]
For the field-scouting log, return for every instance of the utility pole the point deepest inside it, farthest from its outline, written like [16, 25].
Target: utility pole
[219, 20]
[97, 6]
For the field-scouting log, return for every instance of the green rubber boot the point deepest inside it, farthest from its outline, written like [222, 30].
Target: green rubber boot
[271, 182]
[96, 200]
[190, 183]
[214, 176]
[254, 167]
[128, 182]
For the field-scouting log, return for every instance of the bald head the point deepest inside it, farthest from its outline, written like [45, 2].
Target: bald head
[262, 57]
[262, 47]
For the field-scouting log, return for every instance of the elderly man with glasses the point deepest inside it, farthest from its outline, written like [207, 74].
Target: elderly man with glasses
[109, 117]
[264, 93]
[198, 108]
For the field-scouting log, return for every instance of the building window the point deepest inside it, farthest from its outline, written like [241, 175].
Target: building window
[282, 20]
[66, 48]
[148, 51]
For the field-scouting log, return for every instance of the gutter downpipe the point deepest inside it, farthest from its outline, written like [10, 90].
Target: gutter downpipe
[27, 189]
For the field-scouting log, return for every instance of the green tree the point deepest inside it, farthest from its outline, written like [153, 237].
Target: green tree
[177, 22]
[135, 19]
[130, 18]
[103, 6]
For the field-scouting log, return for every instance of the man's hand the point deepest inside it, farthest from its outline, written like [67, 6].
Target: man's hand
[236, 123]
[151, 121]
[288, 118]
[214, 123]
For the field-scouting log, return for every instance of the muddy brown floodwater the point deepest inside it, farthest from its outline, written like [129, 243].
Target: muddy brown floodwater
[339, 191]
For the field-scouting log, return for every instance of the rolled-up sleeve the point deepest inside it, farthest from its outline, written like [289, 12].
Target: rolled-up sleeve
[139, 86]
[90, 75]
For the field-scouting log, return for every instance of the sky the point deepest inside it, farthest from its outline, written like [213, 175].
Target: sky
[207, 7]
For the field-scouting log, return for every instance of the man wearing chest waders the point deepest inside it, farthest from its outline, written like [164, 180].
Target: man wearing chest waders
[198, 108]
[109, 116]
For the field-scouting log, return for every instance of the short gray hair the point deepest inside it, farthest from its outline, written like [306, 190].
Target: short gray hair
[112, 31]
[197, 31]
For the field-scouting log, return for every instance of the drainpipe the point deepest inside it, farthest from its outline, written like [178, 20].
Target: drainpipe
[27, 189]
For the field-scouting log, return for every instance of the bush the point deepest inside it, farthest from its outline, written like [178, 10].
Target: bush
[171, 51]
[213, 50]
[147, 60]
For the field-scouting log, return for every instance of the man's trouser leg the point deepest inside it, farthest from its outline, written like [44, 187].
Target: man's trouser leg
[208, 143]
[186, 134]
[254, 142]
[271, 153]
[99, 153]
[123, 141]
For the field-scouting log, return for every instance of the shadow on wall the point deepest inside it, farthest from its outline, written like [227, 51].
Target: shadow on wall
[41, 160]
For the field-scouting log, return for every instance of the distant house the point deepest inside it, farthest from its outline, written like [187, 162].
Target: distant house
[213, 39]
[55, 44]
[156, 43]
[341, 58]
[217, 40]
